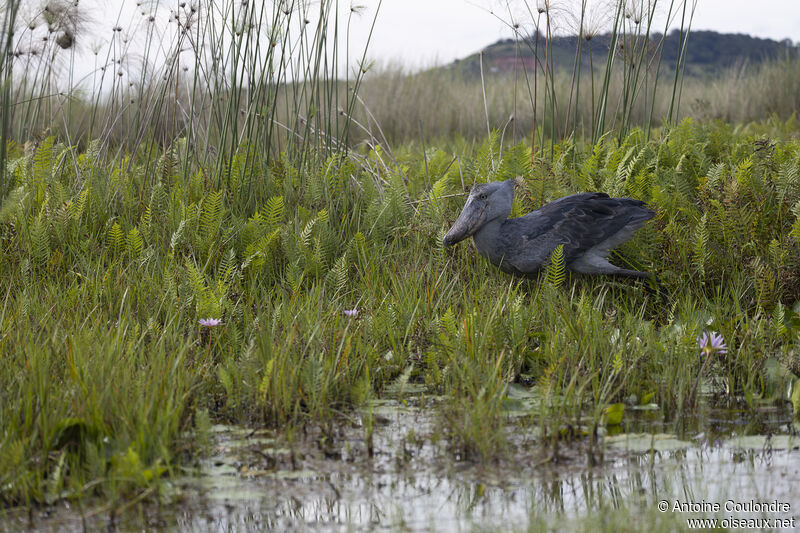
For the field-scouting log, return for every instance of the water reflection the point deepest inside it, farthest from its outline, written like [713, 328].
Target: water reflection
[413, 484]
[419, 489]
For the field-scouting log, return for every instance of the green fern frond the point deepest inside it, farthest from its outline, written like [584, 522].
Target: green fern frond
[485, 158]
[796, 224]
[744, 173]
[227, 267]
[211, 215]
[294, 277]
[337, 276]
[334, 174]
[146, 218]
[590, 169]
[196, 280]
[516, 161]
[305, 235]
[168, 168]
[158, 199]
[134, 243]
[700, 244]
[438, 190]
[715, 175]
[272, 211]
[79, 205]
[316, 184]
[176, 236]
[447, 323]
[44, 160]
[624, 171]
[766, 285]
[40, 240]
[778, 253]
[238, 172]
[788, 180]
[116, 237]
[556, 270]
[207, 303]
[12, 204]
[61, 220]
[779, 320]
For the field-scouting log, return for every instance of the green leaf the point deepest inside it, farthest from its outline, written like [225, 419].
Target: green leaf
[134, 243]
[612, 415]
[556, 270]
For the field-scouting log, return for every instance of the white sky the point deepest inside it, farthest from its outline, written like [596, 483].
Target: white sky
[422, 32]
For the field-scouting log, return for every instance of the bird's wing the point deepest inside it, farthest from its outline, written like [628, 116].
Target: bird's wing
[568, 202]
[585, 226]
[579, 222]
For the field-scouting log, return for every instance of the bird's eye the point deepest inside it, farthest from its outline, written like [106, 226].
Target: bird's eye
[482, 196]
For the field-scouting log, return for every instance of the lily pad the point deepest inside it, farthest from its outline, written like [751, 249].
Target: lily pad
[295, 474]
[645, 442]
[761, 442]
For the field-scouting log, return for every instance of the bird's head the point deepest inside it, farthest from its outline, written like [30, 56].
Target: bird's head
[486, 202]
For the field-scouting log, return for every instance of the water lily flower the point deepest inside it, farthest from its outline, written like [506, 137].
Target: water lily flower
[351, 312]
[711, 342]
[210, 322]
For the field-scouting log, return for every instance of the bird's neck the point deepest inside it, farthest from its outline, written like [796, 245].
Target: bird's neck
[487, 240]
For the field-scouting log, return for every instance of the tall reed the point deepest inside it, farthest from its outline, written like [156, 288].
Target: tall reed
[214, 75]
[634, 46]
[8, 18]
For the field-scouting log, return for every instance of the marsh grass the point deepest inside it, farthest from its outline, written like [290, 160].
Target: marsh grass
[107, 272]
[450, 102]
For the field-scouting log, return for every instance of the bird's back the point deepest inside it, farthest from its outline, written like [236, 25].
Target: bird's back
[581, 222]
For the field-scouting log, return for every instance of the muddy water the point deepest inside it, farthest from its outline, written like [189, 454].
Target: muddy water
[716, 464]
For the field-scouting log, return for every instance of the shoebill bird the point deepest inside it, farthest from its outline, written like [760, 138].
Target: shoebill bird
[588, 224]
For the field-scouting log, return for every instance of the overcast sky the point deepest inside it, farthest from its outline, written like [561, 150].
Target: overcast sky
[421, 32]
[424, 33]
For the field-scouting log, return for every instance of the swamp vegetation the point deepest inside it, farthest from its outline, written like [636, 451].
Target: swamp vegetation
[166, 286]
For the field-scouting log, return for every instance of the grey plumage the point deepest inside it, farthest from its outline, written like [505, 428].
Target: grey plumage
[588, 224]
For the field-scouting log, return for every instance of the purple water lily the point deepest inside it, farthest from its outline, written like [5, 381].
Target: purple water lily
[710, 342]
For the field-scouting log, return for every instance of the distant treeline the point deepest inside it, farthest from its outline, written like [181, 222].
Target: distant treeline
[709, 52]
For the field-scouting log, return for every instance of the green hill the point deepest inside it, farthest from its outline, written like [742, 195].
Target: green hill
[708, 52]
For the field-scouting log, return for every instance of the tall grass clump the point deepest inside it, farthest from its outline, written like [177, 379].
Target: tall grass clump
[450, 102]
[634, 58]
[211, 75]
[8, 22]
[623, 87]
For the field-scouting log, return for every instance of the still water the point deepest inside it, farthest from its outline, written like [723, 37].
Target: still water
[739, 468]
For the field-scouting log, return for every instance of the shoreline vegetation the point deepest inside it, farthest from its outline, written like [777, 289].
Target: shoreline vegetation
[220, 244]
